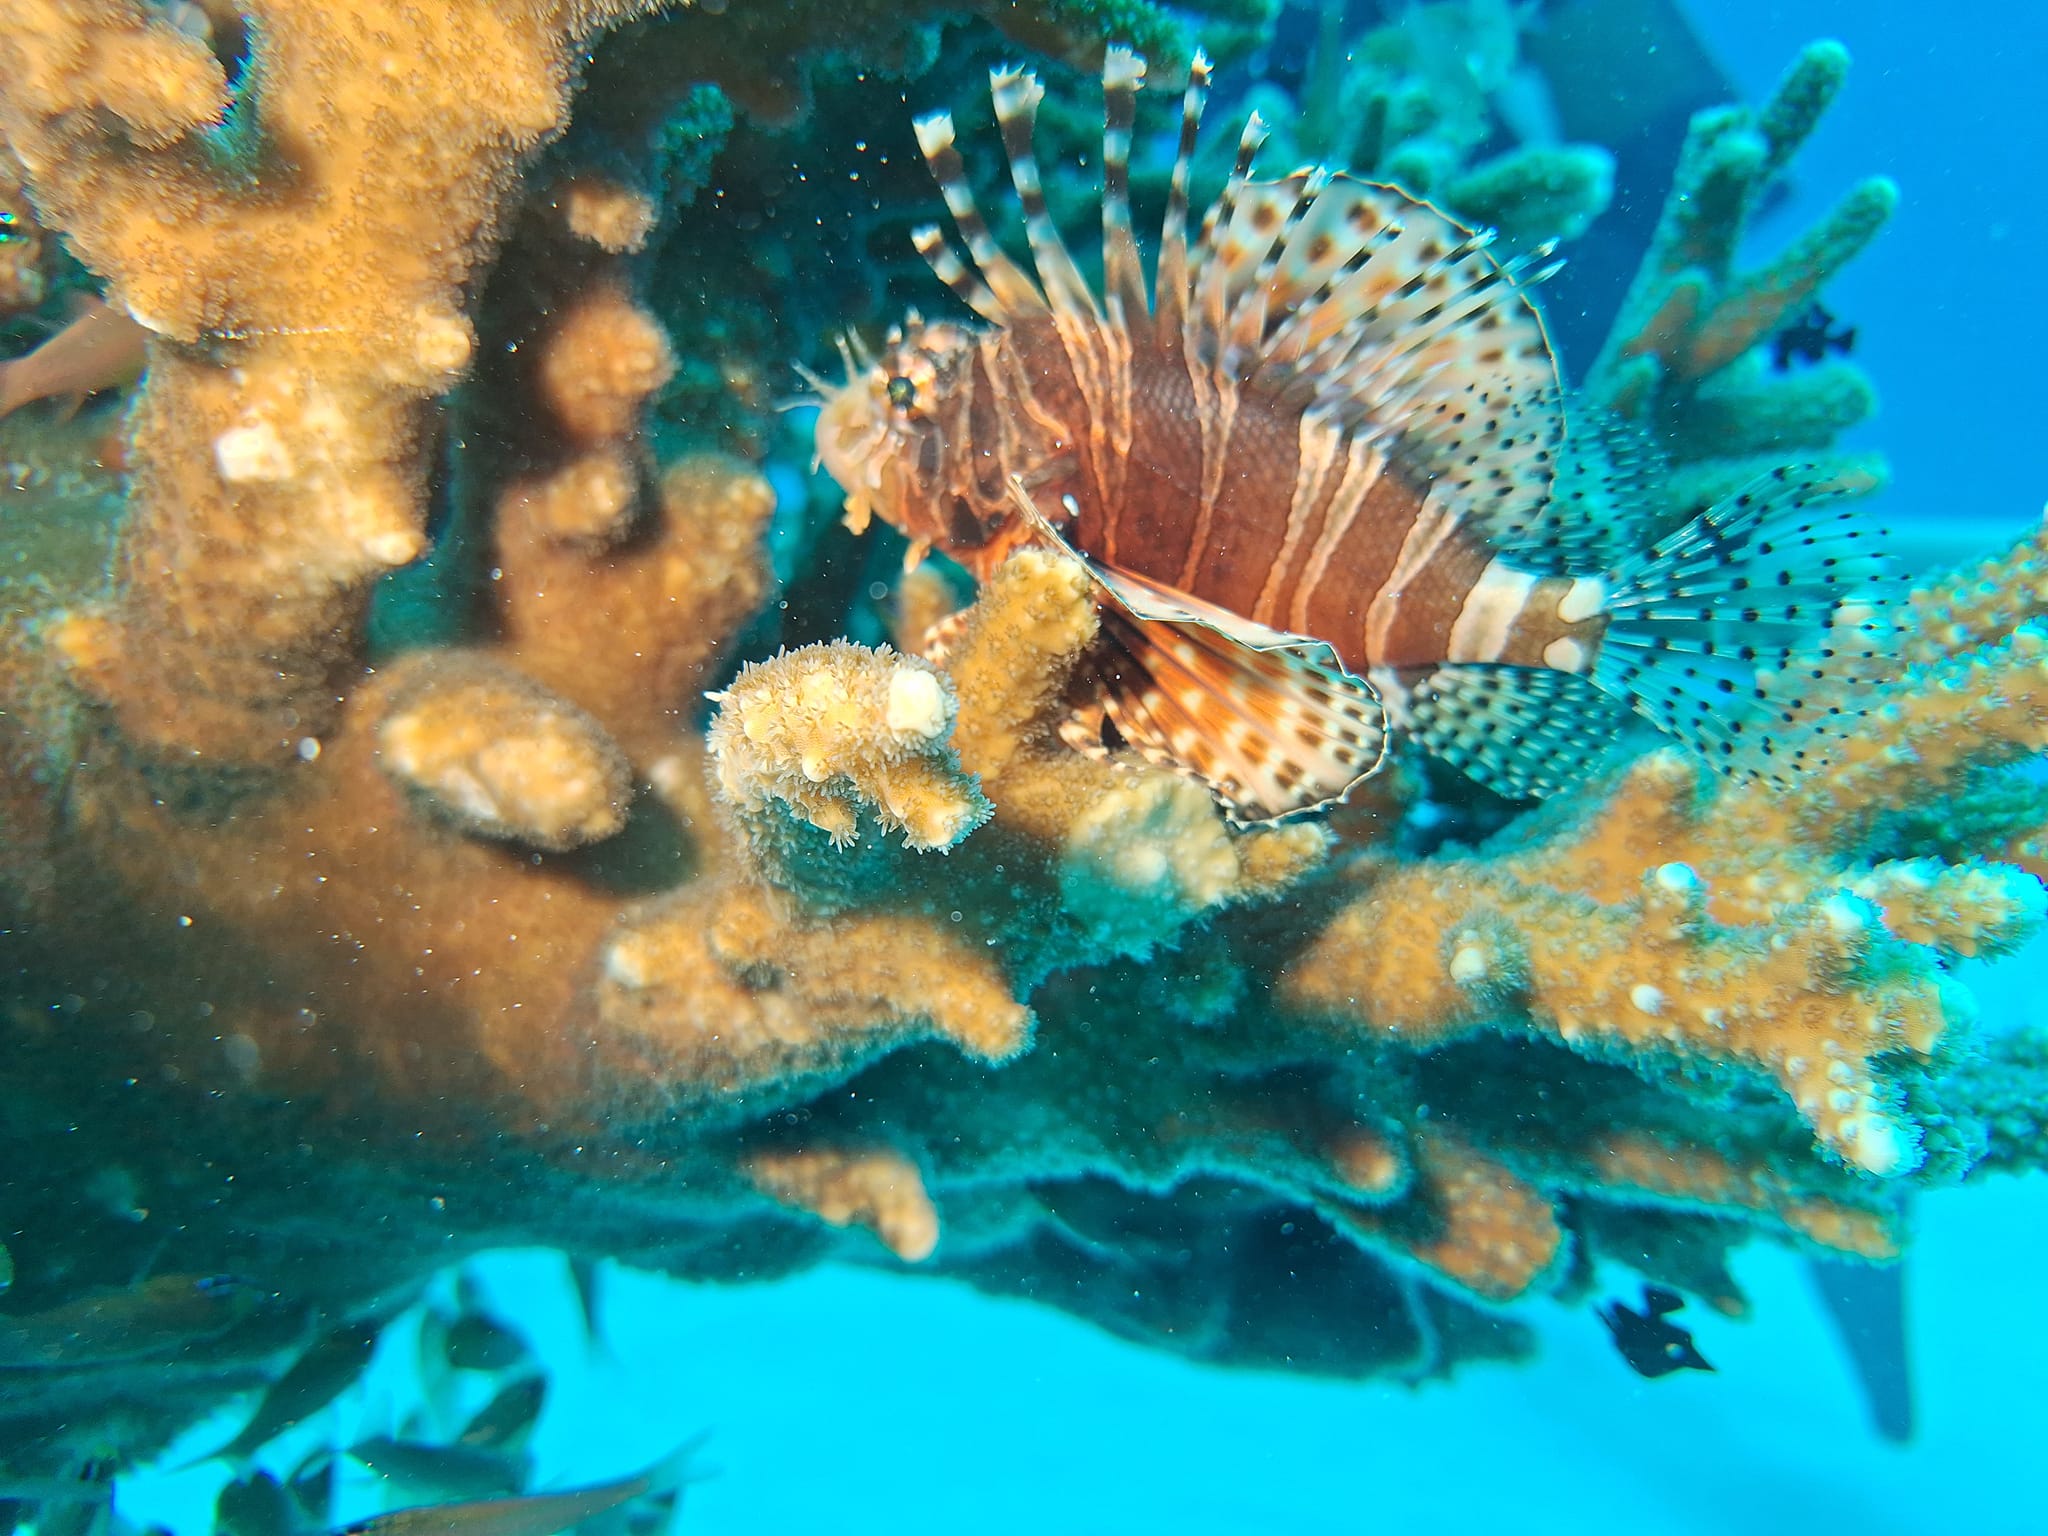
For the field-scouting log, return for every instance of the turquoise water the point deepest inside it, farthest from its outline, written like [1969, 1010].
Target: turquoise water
[855, 1400]
[851, 1401]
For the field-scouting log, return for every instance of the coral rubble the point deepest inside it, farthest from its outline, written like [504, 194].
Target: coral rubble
[528, 895]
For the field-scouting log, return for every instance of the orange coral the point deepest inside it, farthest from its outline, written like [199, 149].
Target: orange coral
[831, 731]
[1676, 1170]
[279, 442]
[879, 1190]
[500, 757]
[714, 997]
[1472, 1220]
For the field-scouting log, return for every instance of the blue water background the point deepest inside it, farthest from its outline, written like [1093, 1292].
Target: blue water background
[1946, 100]
[850, 1401]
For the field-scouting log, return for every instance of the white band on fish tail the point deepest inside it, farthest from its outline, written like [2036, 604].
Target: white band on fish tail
[1487, 616]
[1585, 598]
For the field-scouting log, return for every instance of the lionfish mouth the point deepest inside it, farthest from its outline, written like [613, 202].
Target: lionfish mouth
[852, 434]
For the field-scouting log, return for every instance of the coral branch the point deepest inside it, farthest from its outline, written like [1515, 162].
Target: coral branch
[305, 287]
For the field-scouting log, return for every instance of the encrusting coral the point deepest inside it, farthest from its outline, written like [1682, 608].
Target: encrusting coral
[471, 900]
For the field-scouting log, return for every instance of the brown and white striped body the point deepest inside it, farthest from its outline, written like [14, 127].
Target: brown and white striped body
[1273, 512]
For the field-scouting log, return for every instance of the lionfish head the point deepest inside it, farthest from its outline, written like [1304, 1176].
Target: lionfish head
[879, 435]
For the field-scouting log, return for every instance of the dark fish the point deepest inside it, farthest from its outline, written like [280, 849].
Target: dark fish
[1649, 1341]
[504, 1423]
[94, 1484]
[1810, 338]
[315, 1379]
[81, 1504]
[450, 1471]
[150, 1318]
[1318, 472]
[474, 1343]
[536, 1514]
[255, 1506]
[312, 1487]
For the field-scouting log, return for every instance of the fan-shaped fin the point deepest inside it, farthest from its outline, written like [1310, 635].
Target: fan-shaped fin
[1698, 623]
[1270, 732]
[1270, 722]
[1391, 319]
[1523, 732]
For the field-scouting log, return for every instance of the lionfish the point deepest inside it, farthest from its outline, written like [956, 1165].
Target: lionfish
[1319, 477]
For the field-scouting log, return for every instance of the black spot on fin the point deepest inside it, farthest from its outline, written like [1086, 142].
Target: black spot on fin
[1523, 732]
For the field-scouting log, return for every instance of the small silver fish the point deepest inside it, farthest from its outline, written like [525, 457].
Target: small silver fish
[153, 1317]
[475, 1343]
[534, 1514]
[255, 1506]
[506, 1421]
[446, 1471]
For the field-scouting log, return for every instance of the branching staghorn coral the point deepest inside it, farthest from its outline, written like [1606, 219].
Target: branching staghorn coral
[1683, 359]
[499, 920]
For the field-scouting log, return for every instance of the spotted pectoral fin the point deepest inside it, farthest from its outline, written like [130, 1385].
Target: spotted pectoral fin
[1523, 732]
[1271, 731]
[1271, 722]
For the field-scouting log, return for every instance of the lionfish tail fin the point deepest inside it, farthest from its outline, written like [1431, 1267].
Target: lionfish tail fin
[1725, 631]
[1270, 722]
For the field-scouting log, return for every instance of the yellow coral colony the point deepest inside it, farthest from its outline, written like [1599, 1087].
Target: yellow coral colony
[832, 729]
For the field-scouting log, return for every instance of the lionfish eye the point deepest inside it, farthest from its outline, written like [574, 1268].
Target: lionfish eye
[902, 392]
